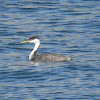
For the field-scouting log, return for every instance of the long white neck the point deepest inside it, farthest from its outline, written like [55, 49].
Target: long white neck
[32, 54]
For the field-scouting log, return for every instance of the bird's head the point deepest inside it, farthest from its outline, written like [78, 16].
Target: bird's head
[33, 39]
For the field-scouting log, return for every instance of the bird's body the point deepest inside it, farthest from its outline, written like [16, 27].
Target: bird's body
[50, 57]
[44, 57]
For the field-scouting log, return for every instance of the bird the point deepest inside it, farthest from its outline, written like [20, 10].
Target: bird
[34, 56]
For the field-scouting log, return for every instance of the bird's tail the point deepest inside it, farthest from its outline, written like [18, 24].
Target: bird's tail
[68, 58]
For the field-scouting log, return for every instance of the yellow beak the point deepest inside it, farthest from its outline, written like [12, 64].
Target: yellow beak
[24, 41]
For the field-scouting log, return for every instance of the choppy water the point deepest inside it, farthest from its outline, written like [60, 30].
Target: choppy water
[64, 26]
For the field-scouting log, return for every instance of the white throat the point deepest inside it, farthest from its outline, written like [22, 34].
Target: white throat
[37, 44]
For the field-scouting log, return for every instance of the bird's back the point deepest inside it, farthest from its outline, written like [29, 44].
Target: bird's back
[51, 57]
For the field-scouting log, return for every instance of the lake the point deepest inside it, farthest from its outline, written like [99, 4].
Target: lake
[65, 27]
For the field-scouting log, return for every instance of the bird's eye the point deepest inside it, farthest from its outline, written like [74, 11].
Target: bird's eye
[30, 39]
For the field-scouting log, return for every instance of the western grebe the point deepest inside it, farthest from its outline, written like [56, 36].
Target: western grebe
[44, 57]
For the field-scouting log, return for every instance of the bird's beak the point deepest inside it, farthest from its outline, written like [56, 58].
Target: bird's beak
[24, 41]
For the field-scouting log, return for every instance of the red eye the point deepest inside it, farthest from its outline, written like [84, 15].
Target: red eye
[30, 39]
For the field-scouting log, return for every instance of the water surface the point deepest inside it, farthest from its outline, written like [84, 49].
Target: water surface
[66, 27]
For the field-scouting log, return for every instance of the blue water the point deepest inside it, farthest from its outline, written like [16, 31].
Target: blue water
[68, 27]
